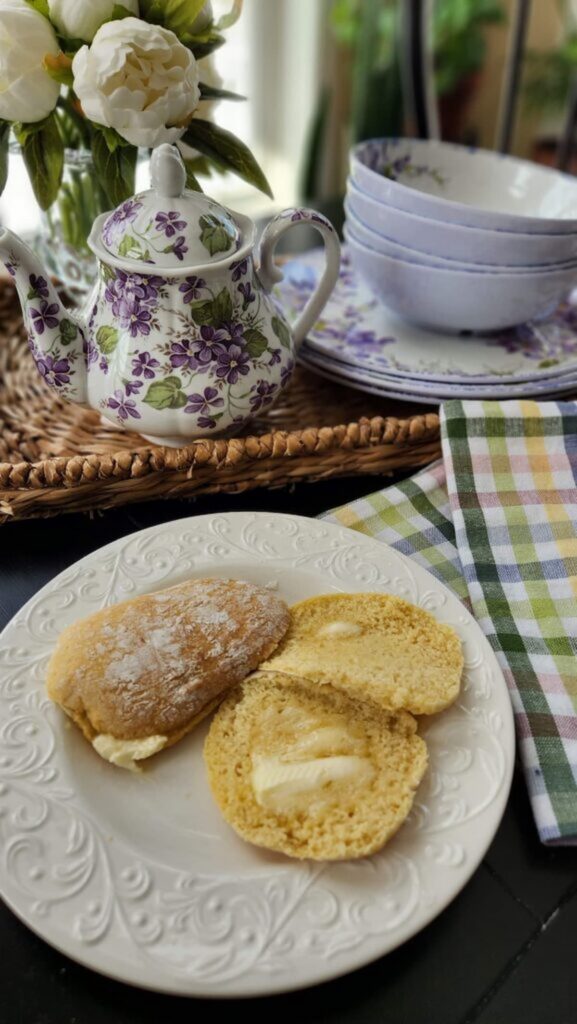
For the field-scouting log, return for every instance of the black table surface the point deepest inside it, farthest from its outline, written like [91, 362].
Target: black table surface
[503, 951]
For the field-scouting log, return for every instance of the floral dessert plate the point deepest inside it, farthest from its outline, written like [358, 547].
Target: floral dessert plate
[523, 389]
[139, 877]
[357, 329]
[407, 394]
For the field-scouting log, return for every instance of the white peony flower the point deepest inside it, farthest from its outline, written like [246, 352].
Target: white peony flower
[81, 19]
[139, 79]
[27, 92]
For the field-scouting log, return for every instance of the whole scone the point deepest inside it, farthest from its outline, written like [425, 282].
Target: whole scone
[375, 647]
[311, 773]
[139, 675]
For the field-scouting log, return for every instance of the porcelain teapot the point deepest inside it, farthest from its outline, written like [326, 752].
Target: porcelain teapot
[181, 336]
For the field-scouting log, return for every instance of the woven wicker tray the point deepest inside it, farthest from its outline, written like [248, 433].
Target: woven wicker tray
[57, 457]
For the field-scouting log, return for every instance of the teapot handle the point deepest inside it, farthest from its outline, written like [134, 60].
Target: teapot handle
[270, 274]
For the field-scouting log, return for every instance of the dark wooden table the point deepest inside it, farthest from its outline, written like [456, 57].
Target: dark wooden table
[503, 952]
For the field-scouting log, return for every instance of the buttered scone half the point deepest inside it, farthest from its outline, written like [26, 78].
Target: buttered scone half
[311, 773]
[138, 676]
[375, 647]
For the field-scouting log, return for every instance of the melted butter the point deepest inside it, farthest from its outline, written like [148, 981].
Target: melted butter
[338, 628]
[283, 787]
[126, 753]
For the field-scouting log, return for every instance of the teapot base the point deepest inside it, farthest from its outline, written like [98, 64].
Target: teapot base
[169, 442]
[177, 441]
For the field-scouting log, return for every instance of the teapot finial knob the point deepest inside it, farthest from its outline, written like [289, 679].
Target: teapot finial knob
[167, 171]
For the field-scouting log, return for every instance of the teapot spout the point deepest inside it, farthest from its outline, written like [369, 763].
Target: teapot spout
[56, 337]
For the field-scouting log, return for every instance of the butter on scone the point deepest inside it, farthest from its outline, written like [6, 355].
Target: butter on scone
[374, 647]
[139, 675]
[311, 773]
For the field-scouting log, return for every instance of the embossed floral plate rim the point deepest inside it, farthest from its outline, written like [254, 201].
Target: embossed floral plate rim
[182, 905]
[358, 330]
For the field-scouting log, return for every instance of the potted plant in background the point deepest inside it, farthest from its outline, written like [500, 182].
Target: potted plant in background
[367, 33]
[86, 86]
[550, 75]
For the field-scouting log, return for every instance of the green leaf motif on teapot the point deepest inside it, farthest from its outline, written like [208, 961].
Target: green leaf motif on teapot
[107, 339]
[68, 332]
[282, 332]
[166, 394]
[256, 342]
[215, 234]
[213, 311]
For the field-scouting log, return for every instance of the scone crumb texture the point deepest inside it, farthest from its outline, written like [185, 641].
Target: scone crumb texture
[375, 647]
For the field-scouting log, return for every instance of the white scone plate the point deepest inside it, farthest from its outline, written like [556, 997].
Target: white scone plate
[138, 876]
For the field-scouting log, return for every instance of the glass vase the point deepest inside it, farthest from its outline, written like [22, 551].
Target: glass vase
[66, 225]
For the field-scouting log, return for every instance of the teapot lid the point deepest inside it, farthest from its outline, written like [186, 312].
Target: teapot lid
[170, 225]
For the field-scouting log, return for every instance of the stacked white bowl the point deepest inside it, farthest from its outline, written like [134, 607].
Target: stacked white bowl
[460, 239]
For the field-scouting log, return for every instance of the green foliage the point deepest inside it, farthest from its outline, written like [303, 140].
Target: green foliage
[43, 154]
[256, 343]
[550, 73]
[228, 152]
[115, 163]
[166, 394]
[119, 12]
[549, 76]
[214, 235]
[212, 311]
[59, 68]
[68, 332]
[282, 332]
[4, 140]
[459, 39]
[192, 181]
[177, 15]
[107, 339]
[41, 6]
[210, 92]
[458, 28]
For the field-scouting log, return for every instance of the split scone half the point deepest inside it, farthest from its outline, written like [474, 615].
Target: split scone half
[139, 675]
[312, 772]
[374, 647]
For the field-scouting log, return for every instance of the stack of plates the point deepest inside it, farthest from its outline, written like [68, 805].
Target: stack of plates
[361, 343]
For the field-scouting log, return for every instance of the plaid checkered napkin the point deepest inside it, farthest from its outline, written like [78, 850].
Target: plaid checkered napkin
[496, 521]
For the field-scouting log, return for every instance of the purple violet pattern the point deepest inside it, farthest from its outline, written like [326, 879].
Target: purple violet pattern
[179, 248]
[211, 344]
[45, 317]
[124, 407]
[38, 287]
[232, 363]
[203, 403]
[191, 288]
[183, 354]
[134, 317]
[262, 394]
[56, 372]
[247, 293]
[143, 365]
[234, 333]
[238, 269]
[286, 373]
[114, 225]
[148, 336]
[169, 223]
[91, 352]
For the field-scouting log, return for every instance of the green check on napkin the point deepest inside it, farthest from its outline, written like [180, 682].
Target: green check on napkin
[496, 521]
